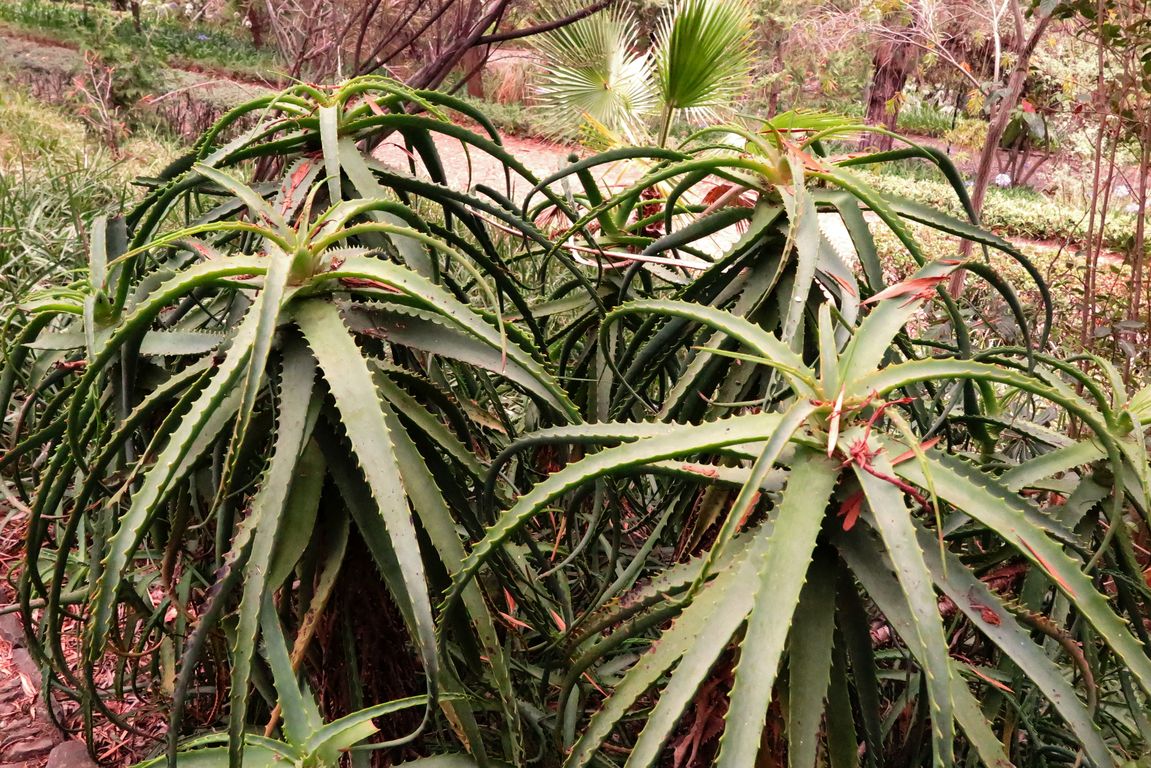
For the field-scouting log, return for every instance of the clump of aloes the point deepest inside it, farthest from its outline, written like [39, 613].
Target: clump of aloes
[246, 386]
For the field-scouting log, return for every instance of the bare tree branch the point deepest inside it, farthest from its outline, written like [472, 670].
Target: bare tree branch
[515, 34]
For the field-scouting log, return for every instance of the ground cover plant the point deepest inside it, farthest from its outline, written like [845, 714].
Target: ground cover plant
[170, 37]
[329, 457]
[1021, 213]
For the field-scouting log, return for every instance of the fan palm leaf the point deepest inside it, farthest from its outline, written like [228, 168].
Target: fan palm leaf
[702, 56]
[595, 73]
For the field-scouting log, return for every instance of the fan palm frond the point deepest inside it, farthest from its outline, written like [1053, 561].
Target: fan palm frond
[702, 56]
[595, 71]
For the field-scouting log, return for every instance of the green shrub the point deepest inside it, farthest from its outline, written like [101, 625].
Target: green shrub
[1011, 212]
[923, 118]
[515, 119]
[53, 180]
[135, 69]
[968, 133]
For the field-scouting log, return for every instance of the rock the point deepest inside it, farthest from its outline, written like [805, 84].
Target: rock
[70, 754]
[24, 664]
[29, 748]
[11, 631]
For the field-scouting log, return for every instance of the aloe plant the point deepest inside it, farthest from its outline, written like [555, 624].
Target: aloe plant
[250, 373]
[814, 458]
[841, 494]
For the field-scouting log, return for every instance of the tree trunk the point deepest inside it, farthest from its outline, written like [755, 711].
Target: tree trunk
[255, 23]
[893, 63]
[995, 130]
[473, 65]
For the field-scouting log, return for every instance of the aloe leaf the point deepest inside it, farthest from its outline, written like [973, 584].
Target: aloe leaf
[790, 422]
[718, 473]
[329, 119]
[991, 504]
[943, 222]
[352, 162]
[426, 331]
[774, 352]
[805, 237]
[363, 417]
[866, 561]
[301, 510]
[302, 716]
[878, 205]
[854, 624]
[665, 587]
[779, 582]
[255, 756]
[157, 483]
[674, 441]
[810, 662]
[1049, 464]
[987, 612]
[849, 211]
[178, 343]
[842, 740]
[362, 508]
[267, 306]
[437, 300]
[894, 523]
[16, 354]
[836, 274]
[904, 374]
[296, 185]
[436, 519]
[335, 546]
[698, 230]
[257, 206]
[871, 341]
[602, 158]
[412, 411]
[137, 323]
[1011, 298]
[338, 735]
[828, 351]
[696, 376]
[267, 516]
[714, 614]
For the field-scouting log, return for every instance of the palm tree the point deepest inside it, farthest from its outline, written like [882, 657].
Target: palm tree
[598, 71]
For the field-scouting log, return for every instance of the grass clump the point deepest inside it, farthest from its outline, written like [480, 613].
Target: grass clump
[54, 178]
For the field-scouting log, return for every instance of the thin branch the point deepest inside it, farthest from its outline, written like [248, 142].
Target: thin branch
[516, 34]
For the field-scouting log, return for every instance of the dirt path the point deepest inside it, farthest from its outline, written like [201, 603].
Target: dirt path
[28, 738]
[465, 169]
